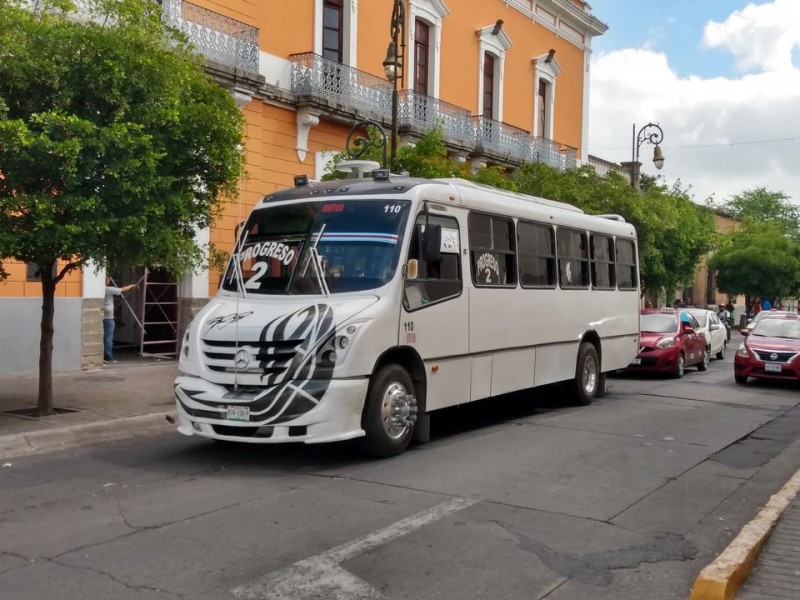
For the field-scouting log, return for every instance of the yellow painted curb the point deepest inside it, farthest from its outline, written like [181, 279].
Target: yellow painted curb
[721, 579]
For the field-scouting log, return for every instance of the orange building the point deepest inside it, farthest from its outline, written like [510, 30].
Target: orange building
[507, 80]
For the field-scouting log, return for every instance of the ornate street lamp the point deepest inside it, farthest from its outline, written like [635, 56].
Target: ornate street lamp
[652, 134]
[394, 66]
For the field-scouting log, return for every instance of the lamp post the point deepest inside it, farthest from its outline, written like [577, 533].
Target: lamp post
[652, 134]
[394, 66]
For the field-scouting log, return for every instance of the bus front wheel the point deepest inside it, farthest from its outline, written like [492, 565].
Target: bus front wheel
[390, 413]
[587, 375]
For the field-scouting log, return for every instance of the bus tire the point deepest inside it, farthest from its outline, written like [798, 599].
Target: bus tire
[587, 375]
[601, 386]
[390, 413]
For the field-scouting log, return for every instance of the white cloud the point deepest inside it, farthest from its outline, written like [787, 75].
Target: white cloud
[706, 121]
[760, 37]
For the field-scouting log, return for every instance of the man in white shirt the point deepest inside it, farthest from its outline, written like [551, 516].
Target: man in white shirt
[108, 317]
[725, 317]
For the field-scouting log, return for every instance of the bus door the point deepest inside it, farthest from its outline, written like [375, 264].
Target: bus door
[435, 315]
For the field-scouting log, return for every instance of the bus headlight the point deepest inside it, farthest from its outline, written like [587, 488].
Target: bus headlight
[185, 349]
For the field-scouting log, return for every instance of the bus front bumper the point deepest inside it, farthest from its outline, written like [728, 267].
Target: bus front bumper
[202, 410]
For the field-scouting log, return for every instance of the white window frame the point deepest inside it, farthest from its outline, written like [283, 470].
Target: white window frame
[496, 45]
[433, 13]
[349, 30]
[549, 72]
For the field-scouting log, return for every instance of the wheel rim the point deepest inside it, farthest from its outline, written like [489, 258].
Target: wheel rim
[589, 377]
[681, 365]
[724, 348]
[706, 358]
[398, 410]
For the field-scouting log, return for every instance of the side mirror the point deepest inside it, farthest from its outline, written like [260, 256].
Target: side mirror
[745, 332]
[686, 329]
[432, 243]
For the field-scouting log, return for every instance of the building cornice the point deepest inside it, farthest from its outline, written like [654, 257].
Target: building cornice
[563, 18]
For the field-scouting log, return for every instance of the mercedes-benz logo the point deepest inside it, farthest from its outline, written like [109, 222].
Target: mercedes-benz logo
[773, 356]
[242, 359]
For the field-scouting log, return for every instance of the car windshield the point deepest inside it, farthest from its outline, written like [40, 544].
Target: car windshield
[778, 328]
[701, 316]
[656, 323]
[318, 247]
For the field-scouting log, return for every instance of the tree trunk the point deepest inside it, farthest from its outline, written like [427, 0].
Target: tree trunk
[45, 406]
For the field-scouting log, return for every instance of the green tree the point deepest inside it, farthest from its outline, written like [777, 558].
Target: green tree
[764, 206]
[759, 260]
[115, 146]
[759, 257]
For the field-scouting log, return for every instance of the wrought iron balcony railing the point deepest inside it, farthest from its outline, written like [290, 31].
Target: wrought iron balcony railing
[215, 36]
[424, 112]
[502, 139]
[328, 80]
[553, 153]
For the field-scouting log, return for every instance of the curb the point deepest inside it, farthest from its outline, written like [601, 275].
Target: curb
[721, 579]
[63, 438]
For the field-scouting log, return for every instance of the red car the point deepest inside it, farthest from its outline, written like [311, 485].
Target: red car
[669, 341]
[771, 350]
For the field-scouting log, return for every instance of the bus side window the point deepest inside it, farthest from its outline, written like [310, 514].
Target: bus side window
[626, 265]
[537, 255]
[603, 274]
[437, 280]
[492, 250]
[573, 258]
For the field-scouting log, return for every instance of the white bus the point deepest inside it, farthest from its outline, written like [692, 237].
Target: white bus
[356, 308]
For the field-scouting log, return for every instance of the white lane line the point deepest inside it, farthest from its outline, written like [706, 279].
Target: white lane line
[321, 576]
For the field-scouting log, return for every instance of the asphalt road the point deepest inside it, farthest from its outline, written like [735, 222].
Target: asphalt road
[518, 498]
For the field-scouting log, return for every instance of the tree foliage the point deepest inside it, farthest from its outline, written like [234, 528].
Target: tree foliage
[761, 256]
[115, 146]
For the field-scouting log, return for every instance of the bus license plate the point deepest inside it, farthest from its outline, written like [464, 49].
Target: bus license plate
[238, 413]
[636, 361]
[773, 367]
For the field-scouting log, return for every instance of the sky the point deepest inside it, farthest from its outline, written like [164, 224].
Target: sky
[720, 77]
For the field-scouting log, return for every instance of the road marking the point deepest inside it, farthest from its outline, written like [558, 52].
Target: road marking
[321, 576]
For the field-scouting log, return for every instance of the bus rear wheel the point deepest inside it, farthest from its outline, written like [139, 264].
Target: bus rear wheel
[587, 375]
[390, 413]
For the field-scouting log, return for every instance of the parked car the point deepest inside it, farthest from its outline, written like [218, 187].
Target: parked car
[771, 349]
[715, 331]
[669, 341]
[752, 322]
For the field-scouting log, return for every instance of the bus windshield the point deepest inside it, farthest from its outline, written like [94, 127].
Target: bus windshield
[318, 247]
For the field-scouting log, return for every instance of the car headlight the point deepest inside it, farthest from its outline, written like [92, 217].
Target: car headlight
[742, 351]
[668, 342]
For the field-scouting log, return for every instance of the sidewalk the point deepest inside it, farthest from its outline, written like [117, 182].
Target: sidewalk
[126, 399]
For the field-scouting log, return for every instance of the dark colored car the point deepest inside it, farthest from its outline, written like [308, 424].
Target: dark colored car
[669, 341]
[771, 350]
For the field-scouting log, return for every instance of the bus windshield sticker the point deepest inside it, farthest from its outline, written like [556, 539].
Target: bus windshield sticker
[450, 241]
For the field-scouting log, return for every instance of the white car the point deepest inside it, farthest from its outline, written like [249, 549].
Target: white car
[715, 331]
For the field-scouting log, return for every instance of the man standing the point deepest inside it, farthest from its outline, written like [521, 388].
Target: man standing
[108, 317]
[725, 317]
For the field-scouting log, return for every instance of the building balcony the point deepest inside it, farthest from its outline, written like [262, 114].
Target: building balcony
[334, 86]
[554, 154]
[420, 113]
[217, 37]
[502, 141]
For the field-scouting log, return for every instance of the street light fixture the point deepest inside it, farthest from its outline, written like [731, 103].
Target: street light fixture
[394, 66]
[652, 134]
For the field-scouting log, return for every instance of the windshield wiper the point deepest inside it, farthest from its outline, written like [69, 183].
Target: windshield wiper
[316, 260]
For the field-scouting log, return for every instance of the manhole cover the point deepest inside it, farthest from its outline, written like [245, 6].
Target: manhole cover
[103, 378]
[30, 413]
